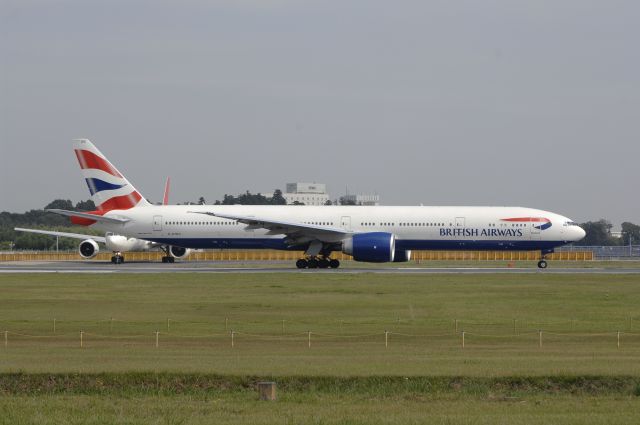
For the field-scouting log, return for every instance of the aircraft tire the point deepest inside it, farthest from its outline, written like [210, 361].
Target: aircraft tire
[302, 263]
[313, 263]
[323, 263]
[334, 264]
[542, 264]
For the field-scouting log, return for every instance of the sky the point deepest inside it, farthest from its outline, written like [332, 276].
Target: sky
[494, 102]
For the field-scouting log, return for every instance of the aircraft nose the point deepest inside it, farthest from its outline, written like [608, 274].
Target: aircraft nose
[580, 233]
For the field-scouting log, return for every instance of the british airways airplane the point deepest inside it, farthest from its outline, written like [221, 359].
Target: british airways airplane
[375, 234]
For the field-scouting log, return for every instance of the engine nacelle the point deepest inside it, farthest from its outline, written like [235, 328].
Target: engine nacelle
[179, 252]
[374, 247]
[88, 249]
[402, 256]
[119, 243]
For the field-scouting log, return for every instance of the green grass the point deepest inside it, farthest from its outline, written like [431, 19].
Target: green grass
[312, 409]
[168, 398]
[347, 376]
[347, 315]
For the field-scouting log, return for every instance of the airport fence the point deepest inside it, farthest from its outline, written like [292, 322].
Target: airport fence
[276, 255]
[227, 333]
[618, 252]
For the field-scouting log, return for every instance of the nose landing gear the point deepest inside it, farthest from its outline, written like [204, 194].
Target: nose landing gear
[542, 264]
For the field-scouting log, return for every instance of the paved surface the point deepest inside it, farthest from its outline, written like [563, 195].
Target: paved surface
[275, 267]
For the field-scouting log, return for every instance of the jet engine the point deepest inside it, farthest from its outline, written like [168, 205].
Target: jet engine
[402, 256]
[179, 252]
[373, 247]
[88, 249]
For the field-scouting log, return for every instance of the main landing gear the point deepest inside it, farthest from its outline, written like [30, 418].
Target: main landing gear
[167, 258]
[317, 263]
[117, 258]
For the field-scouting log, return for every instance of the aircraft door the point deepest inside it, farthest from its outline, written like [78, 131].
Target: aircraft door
[345, 223]
[535, 230]
[157, 223]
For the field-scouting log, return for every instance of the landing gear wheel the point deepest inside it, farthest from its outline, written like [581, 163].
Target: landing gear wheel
[168, 259]
[334, 264]
[542, 264]
[313, 263]
[117, 259]
[323, 263]
[302, 263]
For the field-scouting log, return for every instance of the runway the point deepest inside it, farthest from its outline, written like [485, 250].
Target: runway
[279, 267]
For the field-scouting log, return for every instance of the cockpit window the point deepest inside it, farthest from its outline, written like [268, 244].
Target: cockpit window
[572, 223]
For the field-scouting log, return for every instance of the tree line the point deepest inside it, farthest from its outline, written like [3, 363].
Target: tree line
[277, 198]
[40, 219]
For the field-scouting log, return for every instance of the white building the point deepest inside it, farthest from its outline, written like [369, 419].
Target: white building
[363, 199]
[306, 193]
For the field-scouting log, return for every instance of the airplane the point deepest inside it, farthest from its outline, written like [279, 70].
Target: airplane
[375, 234]
[118, 244]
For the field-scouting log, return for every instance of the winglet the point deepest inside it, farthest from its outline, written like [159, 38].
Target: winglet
[165, 198]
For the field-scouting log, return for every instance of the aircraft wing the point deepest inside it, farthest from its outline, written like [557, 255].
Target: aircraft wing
[283, 227]
[95, 217]
[62, 234]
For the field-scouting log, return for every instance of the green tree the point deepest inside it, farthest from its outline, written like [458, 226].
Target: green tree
[229, 200]
[40, 219]
[86, 206]
[201, 201]
[598, 233]
[277, 198]
[630, 233]
[60, 204]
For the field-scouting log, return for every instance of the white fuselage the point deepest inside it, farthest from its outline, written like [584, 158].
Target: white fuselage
[420, 228]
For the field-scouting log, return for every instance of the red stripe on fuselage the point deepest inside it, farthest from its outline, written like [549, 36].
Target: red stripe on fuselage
[527, 219]
[89, 160]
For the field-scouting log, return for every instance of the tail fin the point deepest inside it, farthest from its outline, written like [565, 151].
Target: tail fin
[110, 190]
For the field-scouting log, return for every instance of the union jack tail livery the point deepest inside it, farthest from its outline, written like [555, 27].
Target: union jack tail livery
[109, 189]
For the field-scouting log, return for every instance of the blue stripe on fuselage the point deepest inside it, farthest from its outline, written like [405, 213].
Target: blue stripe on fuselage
[97, 185]
[401, 244]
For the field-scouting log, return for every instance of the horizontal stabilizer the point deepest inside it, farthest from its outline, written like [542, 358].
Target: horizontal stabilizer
[95, 217]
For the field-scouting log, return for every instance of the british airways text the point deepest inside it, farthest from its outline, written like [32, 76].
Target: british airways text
[481, 232]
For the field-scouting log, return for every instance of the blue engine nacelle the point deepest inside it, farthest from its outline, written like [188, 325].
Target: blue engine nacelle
[374, 247]
[402, 256]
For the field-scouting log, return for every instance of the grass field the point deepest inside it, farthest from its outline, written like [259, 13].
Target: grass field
[347, 315]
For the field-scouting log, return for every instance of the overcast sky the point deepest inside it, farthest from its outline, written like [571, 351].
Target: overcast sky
[531, 103]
